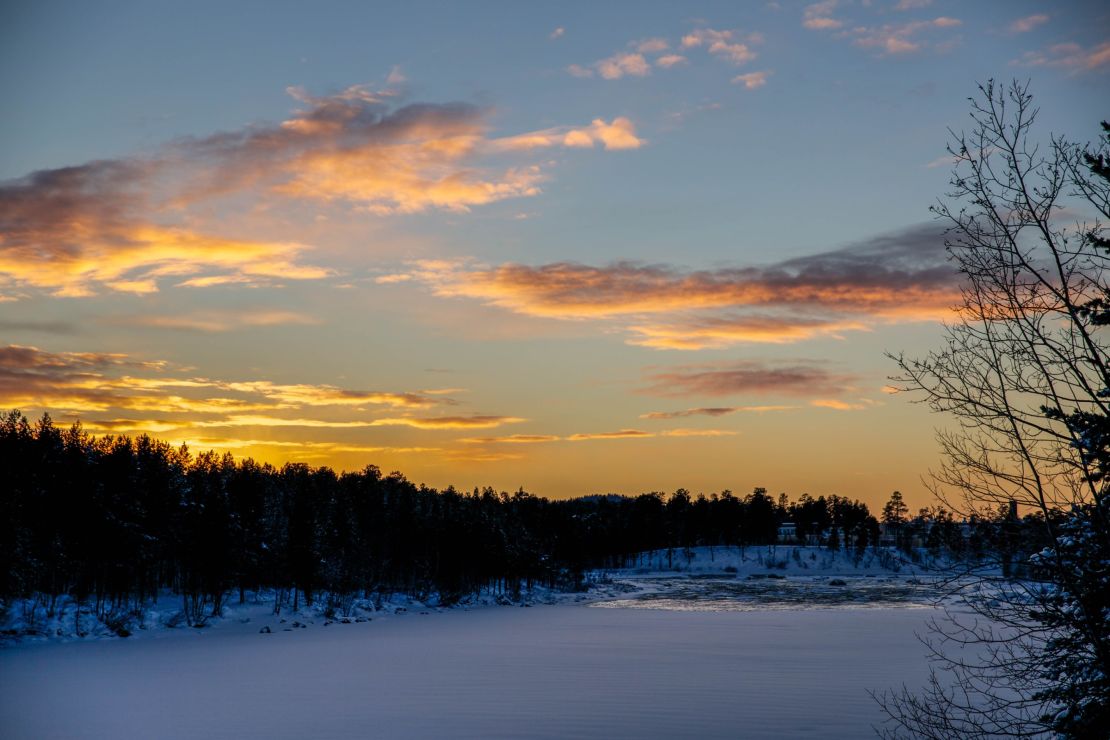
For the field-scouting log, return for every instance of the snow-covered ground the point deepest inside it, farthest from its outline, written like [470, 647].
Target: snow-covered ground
[560, 670]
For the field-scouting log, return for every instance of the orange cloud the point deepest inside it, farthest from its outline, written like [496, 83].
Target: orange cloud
[622, 434]
[220, 321]
[448, 422]
[110, 225]
[32, 377]
[93, 382]
[327, 395]
[511, 439]
[698, 433]
[130, 426]
[715, 332]
[259, 420]
[300, 449]
[619, 134]
[839, 405]
[116, 394]
[479, 456]
[352, 147]
[408, 179]
[592, 436]
[891, 278]
[885, 274]
[73, 259]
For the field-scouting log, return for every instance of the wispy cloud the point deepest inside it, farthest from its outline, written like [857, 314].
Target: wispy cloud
[652, 45]
[528, 439]
[620, 133]
[818, 16]
[905, 270]
[248, 420]
[891, 278]
[41, 327]
[714, 411]
[480, 456]
[838, 404]
[1028, 23]
[221, 321]
[558, 33]
[516, 439]
[620, 434]
[1070, 56]
[717, 331]
[912, 4]
[448, 422]
[748, 377]
[721, 43]
[899, 38]
[295, 449]
[670, 60]
[698, 433]
[641, 434]
[297, 395]
[97, 382]
[888, 38]
[621, 64]
[636, 59]
[752, 80]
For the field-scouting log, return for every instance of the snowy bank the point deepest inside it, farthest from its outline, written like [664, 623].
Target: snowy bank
[768, 560]
[63, 619]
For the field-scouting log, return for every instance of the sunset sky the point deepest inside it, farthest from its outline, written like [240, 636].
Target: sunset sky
[574, 247]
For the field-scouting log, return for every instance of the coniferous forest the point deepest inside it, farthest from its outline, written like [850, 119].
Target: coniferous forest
[115, 521]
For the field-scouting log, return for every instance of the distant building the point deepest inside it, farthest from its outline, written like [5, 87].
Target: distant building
[888, 535]
[788, 532]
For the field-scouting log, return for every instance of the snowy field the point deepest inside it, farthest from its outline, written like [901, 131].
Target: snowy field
[658, 655]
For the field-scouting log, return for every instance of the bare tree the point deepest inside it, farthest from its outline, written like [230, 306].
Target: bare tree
[1024, 372]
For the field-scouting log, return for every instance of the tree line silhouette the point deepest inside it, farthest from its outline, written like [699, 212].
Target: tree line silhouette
[115, 521]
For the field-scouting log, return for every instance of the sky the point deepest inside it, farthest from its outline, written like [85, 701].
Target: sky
[576, 247]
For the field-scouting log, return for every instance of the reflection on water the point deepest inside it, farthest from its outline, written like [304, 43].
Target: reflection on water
[762, 594]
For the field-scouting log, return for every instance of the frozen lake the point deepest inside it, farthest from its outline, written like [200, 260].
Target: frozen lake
[567, 670]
